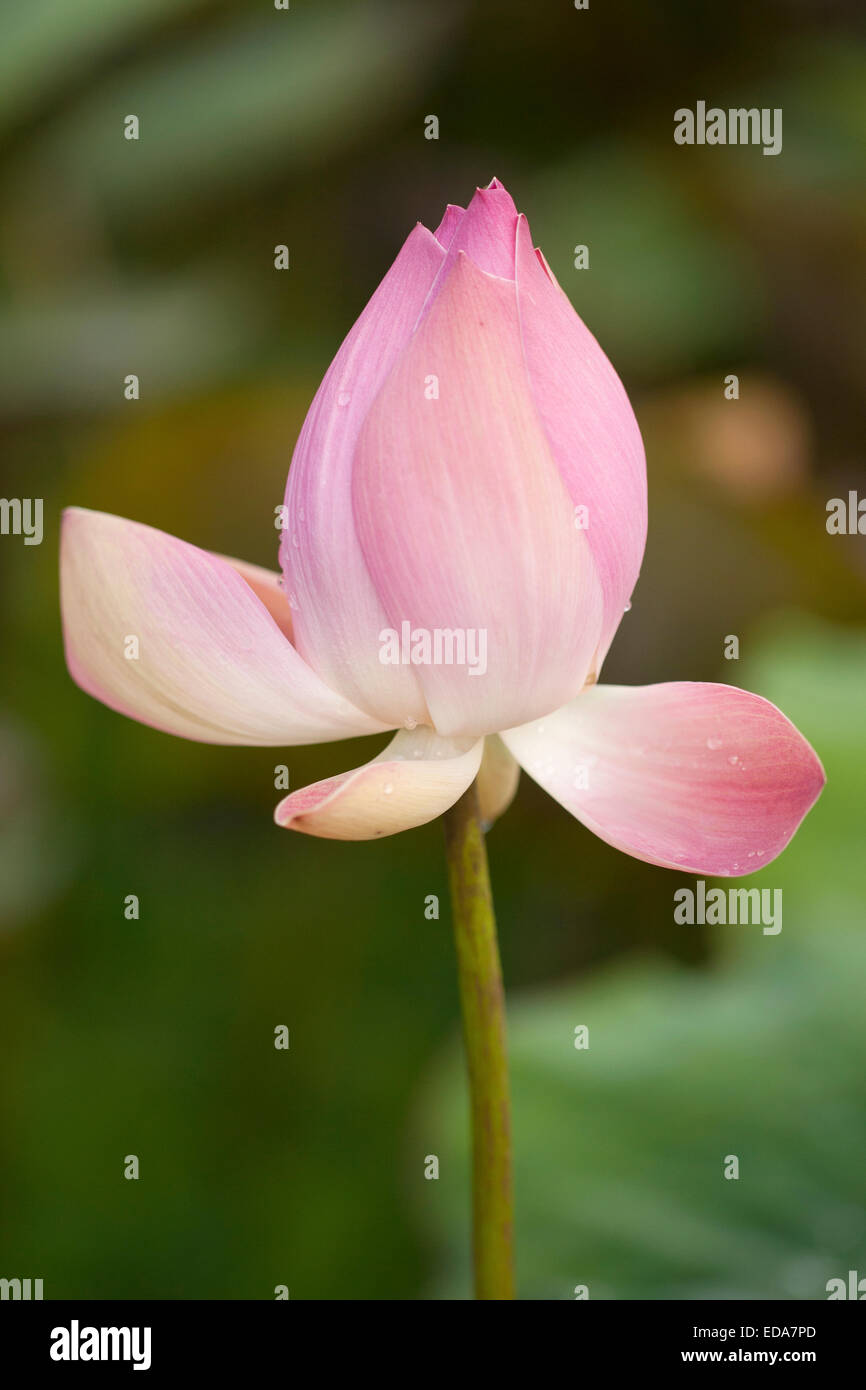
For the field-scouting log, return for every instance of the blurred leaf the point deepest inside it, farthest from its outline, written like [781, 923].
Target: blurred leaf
[249, 98]
[822, 86]
[665, 287]
[73, 352]
[46, 43]
[38, 847]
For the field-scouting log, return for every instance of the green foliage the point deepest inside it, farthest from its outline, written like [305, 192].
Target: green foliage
[621, 1147]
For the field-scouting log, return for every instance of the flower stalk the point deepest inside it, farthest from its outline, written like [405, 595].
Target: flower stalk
[482, 999]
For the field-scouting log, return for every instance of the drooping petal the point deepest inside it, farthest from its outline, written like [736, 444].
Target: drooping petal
[412, 781]
[498, 777]
[704, 778]
[590, 427]
[464, 521]
[176, 638]
[337, 614]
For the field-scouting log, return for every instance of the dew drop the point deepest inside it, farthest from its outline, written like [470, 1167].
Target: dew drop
[733, 760]
[714, 743]
[388, 788]
[293, 599]
[344, 397]
[627, 608]
[295, 542]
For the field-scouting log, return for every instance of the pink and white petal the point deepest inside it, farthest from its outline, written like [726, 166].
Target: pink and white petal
[498, 777]
[412, 781]
[336, 612]
[590, 426]
[208, 660]
[704, 778]
[267, 586]
[465, 522]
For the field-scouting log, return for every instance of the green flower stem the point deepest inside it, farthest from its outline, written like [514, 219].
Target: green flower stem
[482, 1000]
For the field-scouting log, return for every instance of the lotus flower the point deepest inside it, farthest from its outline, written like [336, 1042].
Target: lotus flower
[470, 474]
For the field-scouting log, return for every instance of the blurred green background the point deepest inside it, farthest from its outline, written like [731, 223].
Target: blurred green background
[155, 1037]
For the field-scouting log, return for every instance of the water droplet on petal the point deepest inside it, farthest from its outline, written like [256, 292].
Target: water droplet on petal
[714, 743]
[295, 542]
[388, 788]
[344, 397]
[410, 722]
[733, 759]
[627, 608]
[293, 599]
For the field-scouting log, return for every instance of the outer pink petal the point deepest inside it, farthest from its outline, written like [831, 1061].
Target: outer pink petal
[705, 778]
[212, 663]
[464, 520]
[337, 615]
[590, 426]
[412, 781]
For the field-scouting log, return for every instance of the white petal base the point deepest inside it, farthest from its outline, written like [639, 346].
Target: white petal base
[412, 781]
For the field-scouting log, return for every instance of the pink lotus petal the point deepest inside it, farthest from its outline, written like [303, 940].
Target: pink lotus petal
[268, 589]
[704, 778]
[485, 233]
[412, 781]
[337, 615]
[212, 663]
[464, 520]
[451, 220]
[590, 427]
